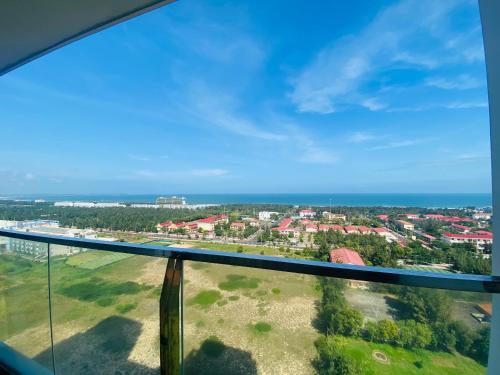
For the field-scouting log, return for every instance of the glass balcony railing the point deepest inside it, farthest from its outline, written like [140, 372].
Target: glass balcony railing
[78, 306]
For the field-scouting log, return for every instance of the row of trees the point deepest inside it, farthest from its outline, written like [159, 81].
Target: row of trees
[374, 249]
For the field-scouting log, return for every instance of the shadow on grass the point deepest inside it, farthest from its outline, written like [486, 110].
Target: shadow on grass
[395, 308]
[214, 358]
[103, 349]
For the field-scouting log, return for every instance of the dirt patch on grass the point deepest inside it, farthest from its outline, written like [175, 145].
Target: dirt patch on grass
[380, 357]
[153, 272]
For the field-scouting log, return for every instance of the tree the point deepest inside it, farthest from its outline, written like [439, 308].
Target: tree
[425, 305]
[442, 337]
[347, 322]
[370, 331]
[480, 347]
[331, 361]
[413, 334]
[464, 337]
[387, 331]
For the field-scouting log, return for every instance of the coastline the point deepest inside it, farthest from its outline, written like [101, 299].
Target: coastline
[424, 200]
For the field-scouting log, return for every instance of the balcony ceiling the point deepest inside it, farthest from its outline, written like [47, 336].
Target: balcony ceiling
[31, 28]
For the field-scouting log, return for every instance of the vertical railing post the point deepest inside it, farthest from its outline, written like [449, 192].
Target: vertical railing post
[490, 16]
[171, 319]
[49, 290]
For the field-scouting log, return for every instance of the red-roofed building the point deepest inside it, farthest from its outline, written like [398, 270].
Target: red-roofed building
[351, 229]
[311, 228]
[486, 309]
[323, 228]
[210, 222]
[344, 255]
[461, 228]
[484, 232]
[285, 229]
[363, 230]
[383, 217]
[326, 228]
[405, 225]
[449, 219]
[237, 225]
[165, 226]
[477, 239]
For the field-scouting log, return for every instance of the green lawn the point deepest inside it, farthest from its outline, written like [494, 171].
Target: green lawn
[402, 361]
[93, 259]
[249, 249]
[159, 243]
[426, 269]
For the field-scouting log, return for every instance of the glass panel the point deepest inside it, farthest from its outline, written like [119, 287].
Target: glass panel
[105, 311]
[24, 298]
[248, 321]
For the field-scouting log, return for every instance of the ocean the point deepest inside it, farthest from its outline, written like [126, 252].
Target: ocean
[335, 199]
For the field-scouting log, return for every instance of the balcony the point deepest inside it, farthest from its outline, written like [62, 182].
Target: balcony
[72, 306]
[84, 306]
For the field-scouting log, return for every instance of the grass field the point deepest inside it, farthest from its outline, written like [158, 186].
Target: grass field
[249, 249]
[403, 361]
[93, 259]
[426, 269]
[159, 243]
[105, 318]
[263, 318]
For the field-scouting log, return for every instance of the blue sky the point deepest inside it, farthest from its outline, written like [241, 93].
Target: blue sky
[245, 96]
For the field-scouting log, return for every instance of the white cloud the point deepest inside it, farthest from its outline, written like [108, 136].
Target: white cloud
[218, 108]
[161, 175]
[204, 32]
[398, 144]
[412, 34]
[214, 172]
[465, 105]
[360, 137]
[373, 104]
[307, 149]
[139, 157]
[462, 82]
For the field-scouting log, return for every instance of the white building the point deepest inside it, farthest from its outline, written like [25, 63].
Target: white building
[266, 215]
[331, 216]
[481, 215]
[88, 204]
[405, 225]
[479, 239]
[307, 214]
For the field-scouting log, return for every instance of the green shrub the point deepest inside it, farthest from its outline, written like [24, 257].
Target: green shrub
[205, 298]
[276, 291]
[261, 327]
[235, 282]
[125, 308]
[106, 301]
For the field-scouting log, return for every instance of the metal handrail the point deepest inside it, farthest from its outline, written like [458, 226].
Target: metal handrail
[450, 281]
